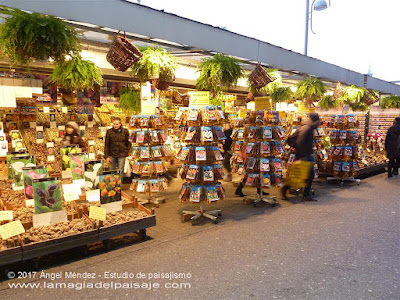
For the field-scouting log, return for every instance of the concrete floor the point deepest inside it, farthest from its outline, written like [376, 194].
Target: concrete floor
[345, 246]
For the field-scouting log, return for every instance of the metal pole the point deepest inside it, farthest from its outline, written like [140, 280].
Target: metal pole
[306, 32]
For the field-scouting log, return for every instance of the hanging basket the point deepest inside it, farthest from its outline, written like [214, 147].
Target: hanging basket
[162, 85]
[122, 53]
[179, 98]
[259, 77]
[338, 92]
[69, 98]
[371, 98]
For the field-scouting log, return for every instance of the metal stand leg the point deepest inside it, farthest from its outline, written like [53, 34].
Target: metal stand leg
[260, 198]
[212, 215]
[342, 180]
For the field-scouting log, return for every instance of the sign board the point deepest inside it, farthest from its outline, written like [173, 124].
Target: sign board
[97, 213]
[302, 108]
[6, 215]
[11, 229]
[199, 98]
[262, 103]
[49, 218]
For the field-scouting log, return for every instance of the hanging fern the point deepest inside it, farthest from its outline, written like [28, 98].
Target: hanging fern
[155, 63]
[129, 100]
[218, 73]
[282, 94]
[356, 98]
[327, 102]
[392, 101]
[311, 89]
[76, 74]
[25, 36]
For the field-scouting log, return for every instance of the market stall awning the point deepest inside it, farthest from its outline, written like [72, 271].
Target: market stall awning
[153, 26]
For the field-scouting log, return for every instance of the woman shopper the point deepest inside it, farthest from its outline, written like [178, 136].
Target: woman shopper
[392, 146]
[72, 136]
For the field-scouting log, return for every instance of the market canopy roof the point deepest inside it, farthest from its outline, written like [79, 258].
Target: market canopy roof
[191, 38]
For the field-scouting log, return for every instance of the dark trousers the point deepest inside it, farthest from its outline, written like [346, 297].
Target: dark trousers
[310, 179]
[227, 161]
[393, 165]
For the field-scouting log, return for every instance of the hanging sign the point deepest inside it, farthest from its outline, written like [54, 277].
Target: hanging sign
[302, 108]
[199, 98]
[262, 103]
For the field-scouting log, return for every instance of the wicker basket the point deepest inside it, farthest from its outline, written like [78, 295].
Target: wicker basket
[180, 99]
[371, 98]
[161, 85]
[122, 53]
[338, 92]
[259, 77]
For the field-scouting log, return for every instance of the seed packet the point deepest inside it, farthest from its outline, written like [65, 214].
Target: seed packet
[320, 132]
[156, 151]
[266, 180]
[249, 148]
[159, 167]
[157, 121]
[219, 172]
[251, 164]
[212, 194]
[346, 167]
[348, 151]
[240, 134]
[264, 165]
[355, 166]
[132, 122]
[265, 148]
[240, 170]
[140, 137]
[354, 134]
[206, 134]
[154, 137]
[210, 113]
[146, 168]
[267, 132]
[144, 121]
[251, 180]
[337, 166]
[163, 136]
[220, 114]
[337, 151]
[154, 186]
[136, 167]
[193, 115]
[252, 133]
[343, 134]
[144, 152]
[179, 115]
[133, 185]
[237, 146]
[191, 133]
[278, 147]
[278, 165]
[195, 194]
[192, 172]
[292, 156]
[208, 173]
[183, 192]
[218, 155]
[201, 154]
[163, 183]
[141, 186]
[183, 153]
[277, 180]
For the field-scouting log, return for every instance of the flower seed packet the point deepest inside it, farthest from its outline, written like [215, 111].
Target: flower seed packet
[348, 151]
[249, 148]
[337, 166]
[133, 186]
[240, 169]
[220, 112]
[156, 151]
[211, 114]
[157, 121]
[212, 194]
[206, 134]
[47, 195]
[218, 155]
[192, 172]
[154, 137]
[179, 115]
[144, 152]
[29, 174]
[264, 165]
[292, 156]
[356, 168]
[183, 153]
[159, 167]
[141, 186]
[154, 186]
[191, 133]
[238, 146]
[220, 134]
[265, 148]
[140, 137]
[146, 168]
[136, 167]
[337, 151]
[346, 167]
[195, 194]
[343, 134]
[266, 180]
[240, 134]
[132, 122]
[251, 163]
[183, 191]
[201, 154]
[252, 132]
[77, 165]
[208, 173]
[277, 180]
[251, 180]
[279, 147]
[17, 164]
[144, 121]
[267, 132]
[193, 115]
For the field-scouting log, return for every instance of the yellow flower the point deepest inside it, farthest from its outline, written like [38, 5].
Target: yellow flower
[108, 178]
[119, 182]
[103, 192]
[116, 177]
[65, 159]
[111, 193]
[112, 183]
[117, 189]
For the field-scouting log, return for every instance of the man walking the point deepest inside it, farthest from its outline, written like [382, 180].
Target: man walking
[227, 151]
[117, 146]
[392, 146]
[303, 141]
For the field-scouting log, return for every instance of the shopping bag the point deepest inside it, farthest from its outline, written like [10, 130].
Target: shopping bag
[298, 173]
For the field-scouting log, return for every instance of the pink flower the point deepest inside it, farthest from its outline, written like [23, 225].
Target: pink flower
[78, 160]
[43, 175]
[33, 175]
[78, 171]
[29, 191]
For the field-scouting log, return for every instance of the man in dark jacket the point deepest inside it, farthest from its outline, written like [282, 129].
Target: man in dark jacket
[392, 148]
[117, 146]
[227, 151]
[303, 141]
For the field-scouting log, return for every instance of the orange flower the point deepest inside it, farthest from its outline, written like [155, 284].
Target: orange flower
[119, 182]
[117, 189]
[116, 177]
[112, 183]
[103, 192]
[103, 185]
[107, 177]
[111, 193]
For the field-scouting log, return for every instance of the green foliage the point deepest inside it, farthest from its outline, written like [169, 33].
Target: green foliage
[218, 101]
[281, 94]
[327, 102]
[129, 100]
[155, 63]
[355, 97]
[25, 36]
[218, 73]
[392, 101]
[311, 89]
[76, 73]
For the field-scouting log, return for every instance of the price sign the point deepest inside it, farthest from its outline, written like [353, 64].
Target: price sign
[11, 229]
[97, 213]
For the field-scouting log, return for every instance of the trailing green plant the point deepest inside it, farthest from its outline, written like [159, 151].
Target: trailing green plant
[129, 100]
[327, 102]
[26, 36]
[282, 94]
[392, 101]
[218, 73]
[155, 63]
[76, 74]
[311, 89]
[355, 97]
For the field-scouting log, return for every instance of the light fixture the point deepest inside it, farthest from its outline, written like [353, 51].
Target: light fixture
[320, 5]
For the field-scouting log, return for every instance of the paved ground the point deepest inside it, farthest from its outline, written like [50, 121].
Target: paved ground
[345, 246]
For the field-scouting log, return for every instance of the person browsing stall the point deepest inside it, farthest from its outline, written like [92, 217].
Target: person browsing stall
[72, 136]
[392, 146]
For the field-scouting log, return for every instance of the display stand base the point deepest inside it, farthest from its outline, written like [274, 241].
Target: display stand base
[258, 199]
[342, 180]
[195, 215]
[151, 200]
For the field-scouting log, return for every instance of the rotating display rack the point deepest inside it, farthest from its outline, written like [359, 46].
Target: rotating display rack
[201, 132]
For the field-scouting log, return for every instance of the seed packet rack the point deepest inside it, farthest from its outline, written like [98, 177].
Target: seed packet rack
[346, 150]
[263, 149]
[148, 157]
[201, 132]
[237, 160]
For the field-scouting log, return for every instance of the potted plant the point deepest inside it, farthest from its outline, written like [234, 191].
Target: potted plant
[218, 73]
[391, 101]
[75, 74]
[355, 98]
[310, 89]
[156, 64]
[129, 100]
[327, 102]
[282, 94]
[26, 36]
